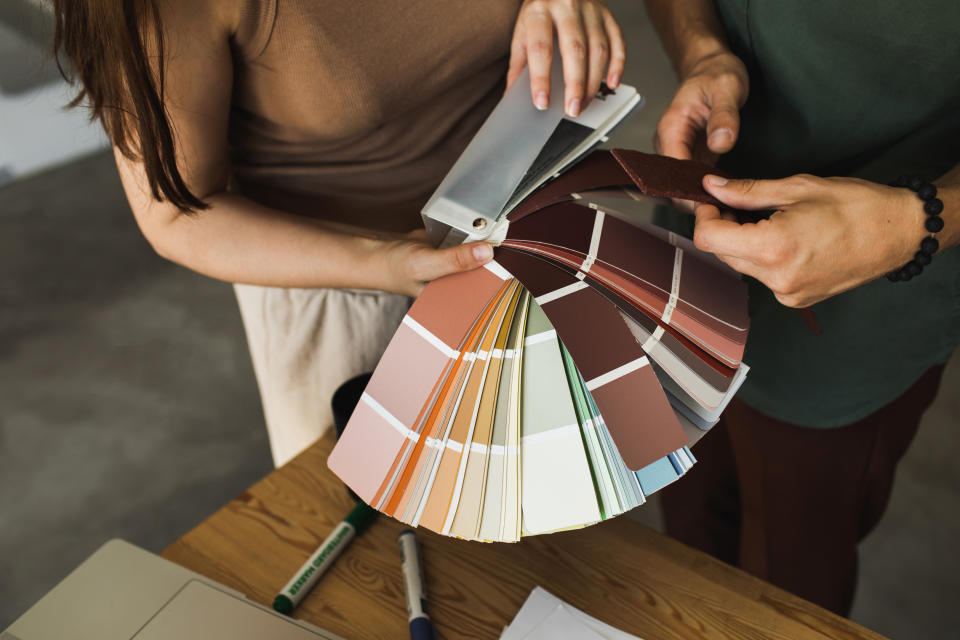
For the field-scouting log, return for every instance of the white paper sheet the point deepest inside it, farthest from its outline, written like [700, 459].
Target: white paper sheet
[542, 611]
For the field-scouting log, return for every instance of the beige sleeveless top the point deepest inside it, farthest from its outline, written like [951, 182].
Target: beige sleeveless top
[353, 111]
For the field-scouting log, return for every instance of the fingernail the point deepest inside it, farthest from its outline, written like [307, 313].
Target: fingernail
[614, 81]
[542, 101]
[482, 252]
[717, 181]
[573, 108]
[721, 136]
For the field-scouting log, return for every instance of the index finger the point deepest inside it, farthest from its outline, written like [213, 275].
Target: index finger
[618, 51]
[572, 38]
[539, 46]
[675, 136]
[598, 51]
[518, 58]
[722, 236]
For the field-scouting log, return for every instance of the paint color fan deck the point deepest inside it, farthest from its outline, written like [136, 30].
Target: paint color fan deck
[563, 383]
[556, 387]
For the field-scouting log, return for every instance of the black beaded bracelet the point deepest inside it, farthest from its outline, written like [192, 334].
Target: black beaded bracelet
[932, 206]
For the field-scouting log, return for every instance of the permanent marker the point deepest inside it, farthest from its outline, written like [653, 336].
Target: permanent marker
[420, 626]
[354, 524]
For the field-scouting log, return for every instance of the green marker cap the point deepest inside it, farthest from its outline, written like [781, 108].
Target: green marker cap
[361, 517]
[283, 604]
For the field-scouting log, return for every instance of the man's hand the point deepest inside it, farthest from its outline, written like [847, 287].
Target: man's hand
[703, 120]
[827, 235]
[411, 261]
[591, 46]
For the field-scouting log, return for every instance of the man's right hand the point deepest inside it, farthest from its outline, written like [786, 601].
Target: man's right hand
[703, 120]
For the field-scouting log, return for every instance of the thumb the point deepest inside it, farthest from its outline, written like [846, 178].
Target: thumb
[751, 195]
[723, 127]
[436, 263]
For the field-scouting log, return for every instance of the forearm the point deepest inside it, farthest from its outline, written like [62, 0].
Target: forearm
[240, 241]
[689, 29]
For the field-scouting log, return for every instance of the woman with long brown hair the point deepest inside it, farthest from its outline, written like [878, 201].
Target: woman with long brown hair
[287, 146]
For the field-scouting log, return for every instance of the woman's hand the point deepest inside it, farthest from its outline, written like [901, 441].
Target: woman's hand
[703, 120]
[827, 235]
[412, 261]
[591, 46]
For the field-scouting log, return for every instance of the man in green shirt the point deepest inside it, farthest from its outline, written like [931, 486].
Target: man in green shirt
[850, 95]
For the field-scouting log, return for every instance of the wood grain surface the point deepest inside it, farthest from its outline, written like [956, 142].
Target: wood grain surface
[619, 571]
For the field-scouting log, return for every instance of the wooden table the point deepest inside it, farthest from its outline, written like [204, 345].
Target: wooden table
[618, 571]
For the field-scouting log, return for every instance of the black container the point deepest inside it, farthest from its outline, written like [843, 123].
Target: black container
[345, 400]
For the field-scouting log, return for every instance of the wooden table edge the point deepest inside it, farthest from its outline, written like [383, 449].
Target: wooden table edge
[192, 552]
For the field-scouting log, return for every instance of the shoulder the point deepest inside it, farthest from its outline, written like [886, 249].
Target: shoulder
[218, 19]
[248, 24]
[255, 24]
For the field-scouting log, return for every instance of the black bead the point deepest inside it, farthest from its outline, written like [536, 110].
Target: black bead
[933, 206]
[929, 245]
[927, 191]
[933, 224]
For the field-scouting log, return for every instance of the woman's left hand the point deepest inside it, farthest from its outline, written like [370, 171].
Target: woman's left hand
[591, 45]
[827, 235]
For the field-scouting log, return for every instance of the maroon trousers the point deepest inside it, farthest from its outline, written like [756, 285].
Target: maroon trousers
[789, 504]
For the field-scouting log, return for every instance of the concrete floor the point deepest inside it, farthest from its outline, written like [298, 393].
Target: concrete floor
[128, 406]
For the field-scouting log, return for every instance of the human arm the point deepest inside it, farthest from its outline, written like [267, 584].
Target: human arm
[236, 239]
[827, 235]
[590, 42]
[703, 119]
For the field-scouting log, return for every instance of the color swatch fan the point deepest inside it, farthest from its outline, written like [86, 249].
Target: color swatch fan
[564, 382]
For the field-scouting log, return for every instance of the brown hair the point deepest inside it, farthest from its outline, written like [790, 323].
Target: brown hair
[110, 45]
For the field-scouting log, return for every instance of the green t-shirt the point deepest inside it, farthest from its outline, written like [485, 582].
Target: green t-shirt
[869, 89]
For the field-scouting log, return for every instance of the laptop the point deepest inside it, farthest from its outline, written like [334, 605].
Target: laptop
[122, 592]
